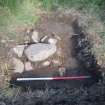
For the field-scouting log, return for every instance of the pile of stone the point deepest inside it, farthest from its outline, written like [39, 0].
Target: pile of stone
[36, 51]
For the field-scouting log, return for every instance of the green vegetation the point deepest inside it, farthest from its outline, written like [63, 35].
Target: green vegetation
[16, 15]
[24, 8]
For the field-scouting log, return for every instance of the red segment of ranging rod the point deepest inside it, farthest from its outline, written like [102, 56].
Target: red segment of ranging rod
[54, 78]
[71, 78]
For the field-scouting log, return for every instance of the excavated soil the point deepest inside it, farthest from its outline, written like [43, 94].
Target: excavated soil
[76, 54]
[78, 60]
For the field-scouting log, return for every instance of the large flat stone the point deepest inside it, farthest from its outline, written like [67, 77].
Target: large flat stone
[40, 51]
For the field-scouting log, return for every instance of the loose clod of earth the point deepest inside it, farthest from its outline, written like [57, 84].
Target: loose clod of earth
[19, 49]
[39, 51]
[28, 66]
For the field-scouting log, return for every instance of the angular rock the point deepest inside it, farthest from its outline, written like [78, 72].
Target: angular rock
[18, 50]
[28, 66]
[35, 37]
[40, 51]
[18, 65]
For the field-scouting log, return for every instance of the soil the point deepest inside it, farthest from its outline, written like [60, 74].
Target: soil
[76, 54]
[78, 60]
[60, 27]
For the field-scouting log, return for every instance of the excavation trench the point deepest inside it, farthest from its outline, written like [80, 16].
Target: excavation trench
[77, 56]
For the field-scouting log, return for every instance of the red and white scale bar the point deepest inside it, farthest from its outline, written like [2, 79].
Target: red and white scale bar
[54, 78]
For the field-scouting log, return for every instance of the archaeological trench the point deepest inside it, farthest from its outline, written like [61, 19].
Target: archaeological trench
[56, 47]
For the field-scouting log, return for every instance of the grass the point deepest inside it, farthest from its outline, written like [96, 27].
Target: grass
[15, 14]
[23, 11]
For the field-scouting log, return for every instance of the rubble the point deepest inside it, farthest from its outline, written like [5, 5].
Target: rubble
[18, 50]
[62, 71]
[28, 66]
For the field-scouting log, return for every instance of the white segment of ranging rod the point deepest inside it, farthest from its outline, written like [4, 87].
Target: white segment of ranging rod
[53, 78]
[34, 79]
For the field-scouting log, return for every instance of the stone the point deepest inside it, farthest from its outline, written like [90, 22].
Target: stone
[56, 62]
[35, 37]
[18, 65]
[46, 63]
[18, 50]
[52, 41]
[62, 71]
[28, 66]
[40, 51]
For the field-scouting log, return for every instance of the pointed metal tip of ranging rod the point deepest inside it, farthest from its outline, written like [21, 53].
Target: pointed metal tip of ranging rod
[54, 78]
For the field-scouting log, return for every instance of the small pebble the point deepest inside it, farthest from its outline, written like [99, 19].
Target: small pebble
[46, 63]
[18, 50]
[18, 65]
[28, 66]
[62, 71]
[52, 41]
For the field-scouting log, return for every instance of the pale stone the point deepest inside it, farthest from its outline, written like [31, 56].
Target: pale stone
[18, 65]
[18, 50]
[62, 71]
[52, 41]
[56, 62]
[28, 66]
[40, 51]
[46, 63]
[35, 36]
